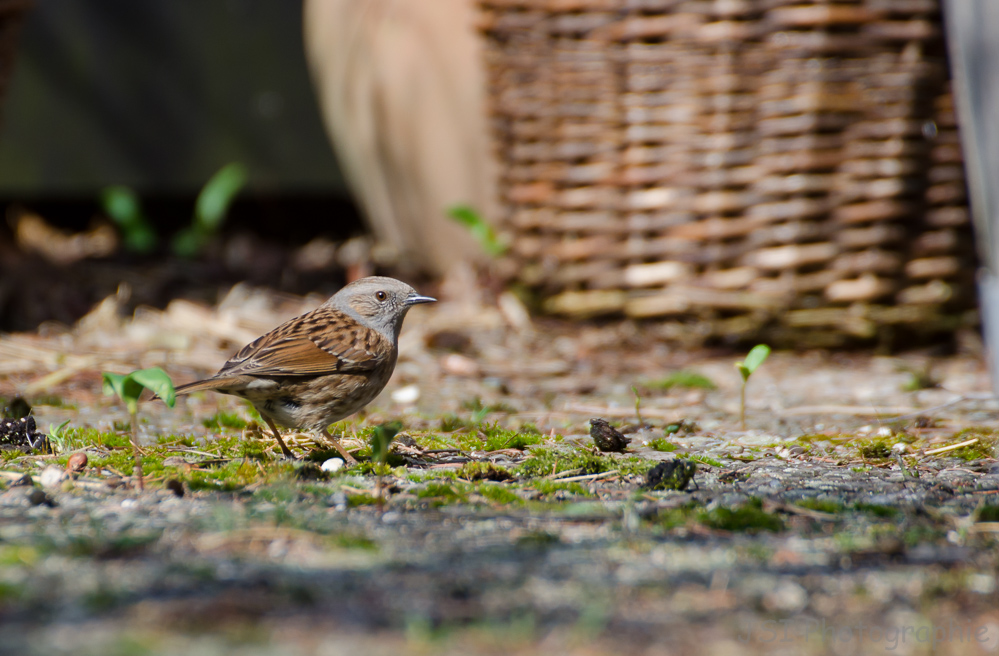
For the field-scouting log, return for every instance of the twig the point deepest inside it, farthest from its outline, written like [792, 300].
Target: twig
[588, 477]
[951, 447]
[568, 472]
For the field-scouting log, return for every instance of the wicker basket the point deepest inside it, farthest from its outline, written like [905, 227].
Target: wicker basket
[760, 169]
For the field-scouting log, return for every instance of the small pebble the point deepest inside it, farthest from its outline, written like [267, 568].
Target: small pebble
[38, 497]
[459, 365]
[51, 476]
[332, 465]
[175, 486]
[77, 463]
[406, 395]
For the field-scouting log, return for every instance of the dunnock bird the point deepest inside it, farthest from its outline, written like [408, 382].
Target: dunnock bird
[324, 365]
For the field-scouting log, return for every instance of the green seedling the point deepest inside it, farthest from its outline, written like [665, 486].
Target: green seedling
[129, 388]
[58, 438]
[381, 440]
[756, 356]
[638, 405]
[480, 230]
[210, 210]
[123, 206]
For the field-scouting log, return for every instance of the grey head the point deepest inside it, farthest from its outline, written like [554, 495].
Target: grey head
[378, 302]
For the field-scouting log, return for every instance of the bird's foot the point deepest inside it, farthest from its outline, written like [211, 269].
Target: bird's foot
[335, 443]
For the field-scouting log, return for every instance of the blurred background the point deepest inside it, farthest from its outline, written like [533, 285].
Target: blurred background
[788, 171]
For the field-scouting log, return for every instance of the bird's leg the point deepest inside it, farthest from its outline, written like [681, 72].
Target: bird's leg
[277, 435]
[349, 459]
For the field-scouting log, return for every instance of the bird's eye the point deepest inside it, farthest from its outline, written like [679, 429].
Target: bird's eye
[381, 296]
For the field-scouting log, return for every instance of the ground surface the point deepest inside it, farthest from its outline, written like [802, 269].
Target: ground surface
[838, 522]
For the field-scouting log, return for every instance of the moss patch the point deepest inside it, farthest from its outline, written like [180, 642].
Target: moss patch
[749, 518]
[684, 378]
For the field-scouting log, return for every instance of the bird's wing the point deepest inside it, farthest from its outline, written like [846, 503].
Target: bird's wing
[320, 342]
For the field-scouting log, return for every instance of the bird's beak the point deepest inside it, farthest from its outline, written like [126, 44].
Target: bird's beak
[416, 299]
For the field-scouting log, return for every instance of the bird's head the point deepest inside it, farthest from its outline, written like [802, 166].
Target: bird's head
[378, 302]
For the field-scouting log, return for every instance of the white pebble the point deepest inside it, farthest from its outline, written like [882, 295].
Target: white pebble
[407, 394]
[51, 476]
[332, 465]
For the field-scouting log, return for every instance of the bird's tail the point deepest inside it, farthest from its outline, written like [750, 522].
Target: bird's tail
[210, 384]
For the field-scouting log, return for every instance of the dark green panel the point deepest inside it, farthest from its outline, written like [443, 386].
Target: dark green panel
[159, 94]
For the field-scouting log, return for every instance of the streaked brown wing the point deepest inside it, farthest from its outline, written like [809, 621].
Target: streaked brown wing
[323, 341]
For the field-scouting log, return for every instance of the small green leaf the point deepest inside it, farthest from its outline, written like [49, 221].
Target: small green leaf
[158, 381]
[129, 387]
[480, 230]
[756, 357]
[217, 195]
[743, 371]
[55, 432]
[381, 438]
[187, 243]
[125, 387]
[123, 206]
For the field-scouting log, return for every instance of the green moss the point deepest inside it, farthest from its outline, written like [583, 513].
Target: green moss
[749, 518]
[547, 488]
[662, 444]
[444, 492]
[822, 505]
[460, 440]
[675, 517]
[683, 378]
[361, 499]
[548, 461]
[353, 541]
[433, 475]
[499, 438]
[922, 534]
[537, 539]
[878, 448]
[704, 460]
[987, 513]
[498, 493]
[985, 447]
[221, 420]
[235, 475]
[477, 471]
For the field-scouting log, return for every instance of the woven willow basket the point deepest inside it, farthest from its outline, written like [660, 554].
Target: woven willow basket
[755, 168]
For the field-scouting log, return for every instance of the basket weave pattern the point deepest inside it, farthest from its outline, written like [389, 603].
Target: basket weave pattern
[756, 167]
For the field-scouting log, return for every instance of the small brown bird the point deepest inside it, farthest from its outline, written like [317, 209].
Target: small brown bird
[607, 437]
[323, 365]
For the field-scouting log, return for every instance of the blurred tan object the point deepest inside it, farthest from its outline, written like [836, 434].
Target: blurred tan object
[401, 88]
[33, 234]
